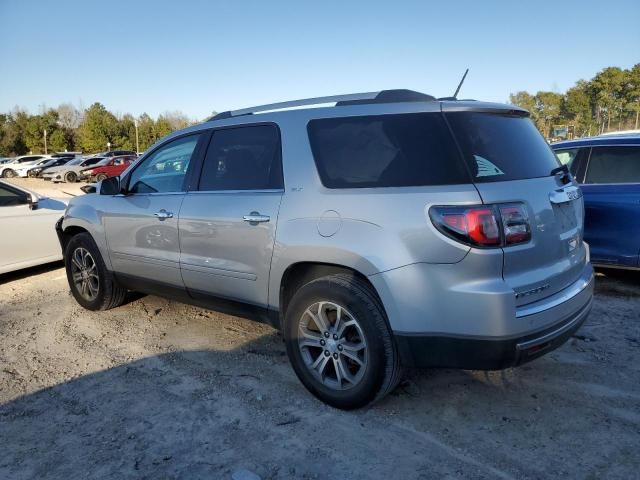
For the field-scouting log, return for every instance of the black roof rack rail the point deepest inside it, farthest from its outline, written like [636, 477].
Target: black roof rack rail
[383, 96]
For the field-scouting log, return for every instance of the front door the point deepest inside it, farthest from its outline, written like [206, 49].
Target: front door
[141, 225]
[227, 225]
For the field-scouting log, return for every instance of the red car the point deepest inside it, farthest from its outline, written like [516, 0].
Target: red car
[109, 167]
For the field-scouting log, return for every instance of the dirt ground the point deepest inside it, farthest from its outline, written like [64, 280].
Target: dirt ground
[158, 389]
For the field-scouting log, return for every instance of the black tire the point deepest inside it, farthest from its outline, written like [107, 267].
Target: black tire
[9, 173]
[383, 370]
[70, 177]
[101, 176]
[109, 294]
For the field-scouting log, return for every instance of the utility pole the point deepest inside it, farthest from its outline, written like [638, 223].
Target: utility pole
[45, 141]
[108, 146]
[135, 122]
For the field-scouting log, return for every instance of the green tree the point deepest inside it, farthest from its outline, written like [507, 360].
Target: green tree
[577, 108]
[58, 141]
[146, 132]
[162, 127]
[99, 127]
[607, 90]
[547, 111]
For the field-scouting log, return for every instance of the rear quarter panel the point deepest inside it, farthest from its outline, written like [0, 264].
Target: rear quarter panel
[368, 230]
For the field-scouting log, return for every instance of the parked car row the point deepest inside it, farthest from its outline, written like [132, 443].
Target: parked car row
[65, 167]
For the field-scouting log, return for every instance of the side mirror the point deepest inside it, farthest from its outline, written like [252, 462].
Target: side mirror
[110, 186]
[32, 201]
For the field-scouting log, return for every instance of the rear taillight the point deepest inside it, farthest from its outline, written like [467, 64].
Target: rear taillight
[515, 224]
[483, 225]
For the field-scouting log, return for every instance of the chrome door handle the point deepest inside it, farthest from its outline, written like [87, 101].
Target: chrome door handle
[163, 214]
[255, 217]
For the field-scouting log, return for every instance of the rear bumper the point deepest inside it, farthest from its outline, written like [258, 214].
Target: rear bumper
[563, 314]
[482, 354]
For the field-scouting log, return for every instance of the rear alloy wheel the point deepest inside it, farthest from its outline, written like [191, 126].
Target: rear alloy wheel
[92, 285]
[339, 343]
[332, 345]
[70, 177]
[101, 176]
[8, 173]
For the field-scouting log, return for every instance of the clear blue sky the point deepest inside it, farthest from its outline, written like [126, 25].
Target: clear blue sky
[199, 56]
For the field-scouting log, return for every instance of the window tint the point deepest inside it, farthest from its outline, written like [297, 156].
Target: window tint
[245, 158]
[614, 165]
[10, 197]
[569, 157]
[501, 147]
[165, 169]
[385, 151]
[91, 161]
[28, 159]
[566, 157]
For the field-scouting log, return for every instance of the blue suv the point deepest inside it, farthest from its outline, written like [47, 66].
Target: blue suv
[608, 170]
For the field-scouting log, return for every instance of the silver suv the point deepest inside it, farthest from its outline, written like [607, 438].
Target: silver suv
[392, 229]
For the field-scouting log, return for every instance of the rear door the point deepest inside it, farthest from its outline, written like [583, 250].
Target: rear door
[228, 224]
[510, 162]
[142, 225]
[612, 203]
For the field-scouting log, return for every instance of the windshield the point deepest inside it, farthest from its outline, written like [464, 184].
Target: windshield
[76, 161]
[500, 147]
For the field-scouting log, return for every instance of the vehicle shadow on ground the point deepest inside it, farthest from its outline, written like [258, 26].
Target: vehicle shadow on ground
[167, 416]
[206, 413]
[611, 281]
[29, 272]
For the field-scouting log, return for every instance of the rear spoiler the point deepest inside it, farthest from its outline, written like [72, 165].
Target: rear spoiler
[483, 107]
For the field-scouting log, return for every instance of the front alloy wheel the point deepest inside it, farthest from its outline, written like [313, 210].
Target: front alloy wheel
[332, 345]
[92, 284]
[85, 274]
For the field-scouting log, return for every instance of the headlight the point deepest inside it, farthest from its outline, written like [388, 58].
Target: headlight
[87, 172]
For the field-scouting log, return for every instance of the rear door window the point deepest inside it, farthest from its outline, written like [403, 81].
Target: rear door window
[614, 165]
[500, 147]
[243, 158]
[386, 151]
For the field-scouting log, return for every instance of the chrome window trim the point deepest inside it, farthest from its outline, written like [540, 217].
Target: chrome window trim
[148, 194]
[264, 190]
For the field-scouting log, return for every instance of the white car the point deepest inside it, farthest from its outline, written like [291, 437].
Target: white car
[70, 171]
[28, 228]
[10, 169]
[22, 168]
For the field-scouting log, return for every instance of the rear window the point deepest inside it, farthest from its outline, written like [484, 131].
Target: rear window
[501, 147]
[385, 151]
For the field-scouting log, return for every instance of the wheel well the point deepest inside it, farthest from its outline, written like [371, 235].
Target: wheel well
[302, 273]
[70, 232]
